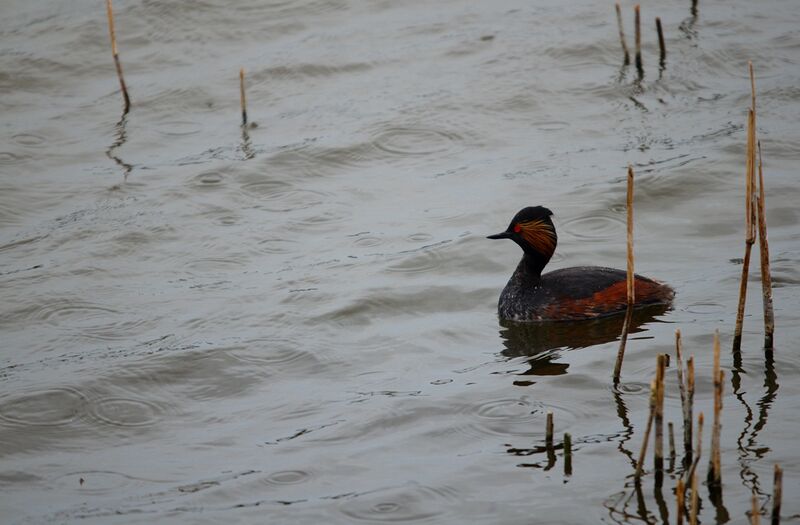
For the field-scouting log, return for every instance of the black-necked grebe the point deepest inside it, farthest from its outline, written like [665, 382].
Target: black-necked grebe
[569, 294]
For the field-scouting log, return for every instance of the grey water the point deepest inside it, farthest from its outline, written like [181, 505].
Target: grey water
[295, 321]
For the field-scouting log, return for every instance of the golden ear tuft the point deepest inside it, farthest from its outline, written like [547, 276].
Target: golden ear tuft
[540, 235]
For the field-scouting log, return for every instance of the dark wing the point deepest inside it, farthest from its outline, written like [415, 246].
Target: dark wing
[593, 291]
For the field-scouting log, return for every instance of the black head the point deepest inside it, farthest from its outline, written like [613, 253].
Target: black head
[533, 230]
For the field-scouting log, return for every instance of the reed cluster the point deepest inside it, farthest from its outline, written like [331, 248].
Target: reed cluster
[637, 32]
[755, 227]
[688, 503]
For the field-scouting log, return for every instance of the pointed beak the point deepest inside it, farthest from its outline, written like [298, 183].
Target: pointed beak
[501, 235]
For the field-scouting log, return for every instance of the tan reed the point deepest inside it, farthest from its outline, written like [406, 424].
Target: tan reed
[671, 431]
[662, 49]
[629, 281]
[777, 495]
[242, 98]
[685, 403]
[763, 244]
[692, 474]
[750, 211]
[698, 447]
[567, 454]
[117, 64]
[658, 448]
[695, 501]
[626, 55]
[755, 511]
[648, 427]
[638, 40]
[680, 493]
[690, 400]
[715, 457]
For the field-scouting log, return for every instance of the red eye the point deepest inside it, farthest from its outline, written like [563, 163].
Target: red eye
[517, 228]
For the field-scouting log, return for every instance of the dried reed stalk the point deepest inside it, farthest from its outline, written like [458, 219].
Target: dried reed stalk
[242, 98]
[647, 428]
[750, 211]
[567, 454]
[755, 511]
[695, 501]
[661, 47]
[690, 396]
[763, 244]
[777, 495]
[715, 457]
[548, 432]
[113, 34]
[685, 400]
[627, 56]
[658, 449]
[698, 448]
[680, 493]
[638, 33]
[692, 474]
[671, 430]
[630, 280]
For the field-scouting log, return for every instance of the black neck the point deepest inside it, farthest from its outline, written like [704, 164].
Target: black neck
[532, 264]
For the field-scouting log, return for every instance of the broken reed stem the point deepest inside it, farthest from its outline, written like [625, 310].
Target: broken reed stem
[658, 449]
[627, 56]
[695, 501]
[750, 210]
[750, 232]
[548, 432]
[752, 86]
[629, 205]
[638, 39]
[117, 64]
[680, 492]
[698, 448]
[777, 495]
[763, 245]
[630, 279]
[685, 404]
[692, 474]
[567, 454]
[242, 98]
[671, 430]
[690, 402]
[647, 428]
[715, 457]
[755, 511]
[661, 47]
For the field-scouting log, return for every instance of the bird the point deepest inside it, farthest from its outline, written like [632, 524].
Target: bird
[568, 294]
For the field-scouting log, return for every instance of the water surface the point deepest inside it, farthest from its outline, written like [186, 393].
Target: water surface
[296, 321]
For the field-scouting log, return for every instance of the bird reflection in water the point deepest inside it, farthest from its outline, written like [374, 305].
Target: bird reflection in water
[540, 342]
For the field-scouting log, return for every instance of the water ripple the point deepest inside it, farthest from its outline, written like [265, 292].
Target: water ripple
[595, 226]
[95, 482]
[287, 477]
[406, 503]
[47, 407]
[415, 141]
[502, 417]
[28, 139]
[178, 128]
[125, 412]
